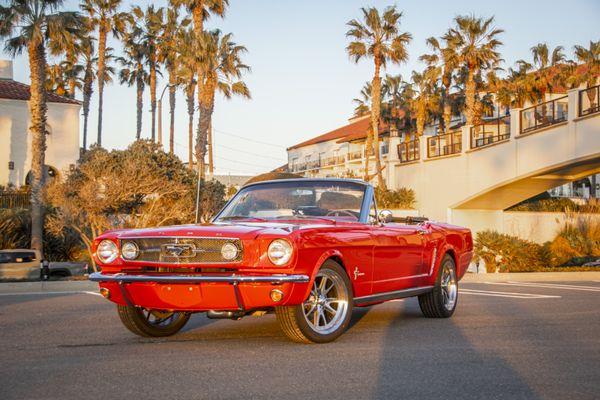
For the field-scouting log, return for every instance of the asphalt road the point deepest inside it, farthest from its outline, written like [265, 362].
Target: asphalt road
[506, 341]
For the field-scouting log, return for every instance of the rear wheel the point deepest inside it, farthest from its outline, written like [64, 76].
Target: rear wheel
[152, 323]
[441, 301]
[325, 315]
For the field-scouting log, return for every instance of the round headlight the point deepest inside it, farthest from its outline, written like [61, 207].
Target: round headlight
[229, 251]
[107, 251]
[129, 250]
[280, 252]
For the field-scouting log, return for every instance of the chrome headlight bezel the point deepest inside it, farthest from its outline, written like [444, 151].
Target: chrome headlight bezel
[229, 251]
[107, 251]
[280, 252]
[129, 250]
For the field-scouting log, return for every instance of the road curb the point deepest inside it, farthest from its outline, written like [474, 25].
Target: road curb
[51, 286]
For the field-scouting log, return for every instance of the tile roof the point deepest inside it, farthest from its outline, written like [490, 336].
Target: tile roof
[14, 90]
[357, 127]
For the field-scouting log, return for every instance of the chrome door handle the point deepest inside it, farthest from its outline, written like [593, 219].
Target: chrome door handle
[422, 231]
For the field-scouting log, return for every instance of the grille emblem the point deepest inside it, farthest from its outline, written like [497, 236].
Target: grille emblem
[179, 250]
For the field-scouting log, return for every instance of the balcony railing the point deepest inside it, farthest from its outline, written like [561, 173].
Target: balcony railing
[544, 114]
[409, 151]
[444, 145]
[490, 131]
[588, 101]
[355, 155]
[332, 161]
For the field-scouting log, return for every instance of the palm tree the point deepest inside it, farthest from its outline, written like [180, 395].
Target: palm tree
[363, 102]
[222, 70]
[152, 21]
[377, 37]
[424, 102]
[201, 10]
[168, 57]
[69, 45]
[186, 76]
[28, 24]
[590, 72]
[545, 70]
[133, 71]
[104, 15]
[443, 57]
[474, 41]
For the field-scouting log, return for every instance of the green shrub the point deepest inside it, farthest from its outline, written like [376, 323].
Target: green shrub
[505, 253]
[402, 198]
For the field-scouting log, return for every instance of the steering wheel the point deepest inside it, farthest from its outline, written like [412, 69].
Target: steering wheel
[339, 213]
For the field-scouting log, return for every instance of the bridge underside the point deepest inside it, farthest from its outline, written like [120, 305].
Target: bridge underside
[508, 194]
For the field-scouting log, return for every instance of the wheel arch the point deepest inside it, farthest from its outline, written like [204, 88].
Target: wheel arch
[331, 254]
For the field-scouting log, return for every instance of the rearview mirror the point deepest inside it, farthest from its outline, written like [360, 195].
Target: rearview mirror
[385, 216]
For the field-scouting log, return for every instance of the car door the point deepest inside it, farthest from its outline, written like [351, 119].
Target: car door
[397, 257]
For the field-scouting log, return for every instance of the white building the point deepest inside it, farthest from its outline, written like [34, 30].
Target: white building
[15, 140]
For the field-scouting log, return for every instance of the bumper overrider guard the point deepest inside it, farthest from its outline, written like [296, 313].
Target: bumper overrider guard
[234, 280]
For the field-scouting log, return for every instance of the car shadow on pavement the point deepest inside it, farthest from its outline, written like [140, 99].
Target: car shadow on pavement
[432, 358]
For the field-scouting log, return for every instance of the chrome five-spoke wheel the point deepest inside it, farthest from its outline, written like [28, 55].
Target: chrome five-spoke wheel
[327, 305]
[449, 287]
[325, 314]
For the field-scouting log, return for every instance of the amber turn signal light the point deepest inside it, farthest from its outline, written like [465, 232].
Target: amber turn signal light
[276, 295]
[105, 293]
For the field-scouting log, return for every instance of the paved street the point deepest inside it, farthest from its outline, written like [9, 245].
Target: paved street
[509, 339]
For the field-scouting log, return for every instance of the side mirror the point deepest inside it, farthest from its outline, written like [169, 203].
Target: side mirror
[385, 216]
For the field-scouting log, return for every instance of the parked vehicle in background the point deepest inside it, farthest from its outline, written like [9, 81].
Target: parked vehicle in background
[24, 264]
[308, 249]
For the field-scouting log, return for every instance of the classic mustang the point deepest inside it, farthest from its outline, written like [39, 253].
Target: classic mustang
[308, 249]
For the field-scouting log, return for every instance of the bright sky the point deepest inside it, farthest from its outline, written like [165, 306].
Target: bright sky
[302, 81]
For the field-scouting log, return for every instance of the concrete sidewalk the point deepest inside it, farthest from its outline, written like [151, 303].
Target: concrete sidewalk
[534, 277]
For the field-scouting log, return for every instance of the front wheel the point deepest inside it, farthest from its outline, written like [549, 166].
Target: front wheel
[325, 315]
[152, 323]
[441, 301]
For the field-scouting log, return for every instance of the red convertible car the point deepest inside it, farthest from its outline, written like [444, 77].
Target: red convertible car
[308, 249]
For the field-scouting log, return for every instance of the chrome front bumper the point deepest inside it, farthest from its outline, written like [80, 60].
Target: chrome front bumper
[234, 279]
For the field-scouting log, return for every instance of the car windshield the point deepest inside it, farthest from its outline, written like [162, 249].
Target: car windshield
[341, 201]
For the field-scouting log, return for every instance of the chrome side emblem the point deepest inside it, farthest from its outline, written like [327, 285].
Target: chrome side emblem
[179, 250]
[357, 273]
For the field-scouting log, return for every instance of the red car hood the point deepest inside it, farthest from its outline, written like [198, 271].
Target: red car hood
[242, 230]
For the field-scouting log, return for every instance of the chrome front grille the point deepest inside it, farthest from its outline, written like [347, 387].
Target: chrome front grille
[176, 250]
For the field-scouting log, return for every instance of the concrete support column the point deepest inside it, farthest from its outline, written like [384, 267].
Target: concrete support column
[423, 147]
[392, 160]
[466, 138]
[573, 97]
[515, 122]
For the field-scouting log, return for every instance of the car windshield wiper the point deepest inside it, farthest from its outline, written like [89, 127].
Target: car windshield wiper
[240, 217]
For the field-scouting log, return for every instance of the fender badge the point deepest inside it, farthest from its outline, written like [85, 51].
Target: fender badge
[357, 273]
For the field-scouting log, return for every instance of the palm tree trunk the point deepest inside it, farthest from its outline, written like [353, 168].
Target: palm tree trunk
[153, 96]
[172, 92]
[37, 111]
[375, 114]
[139, 106]
[211, 164]
[204, 119]
[470, 96]
[101, 75]
[420, 117]
[190, 90]
[87, 95]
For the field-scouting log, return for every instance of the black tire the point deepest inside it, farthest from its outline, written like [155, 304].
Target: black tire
[435, 304]
[293, 321]
[135, 319]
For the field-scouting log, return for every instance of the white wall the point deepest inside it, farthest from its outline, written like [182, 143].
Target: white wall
[15, 139]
